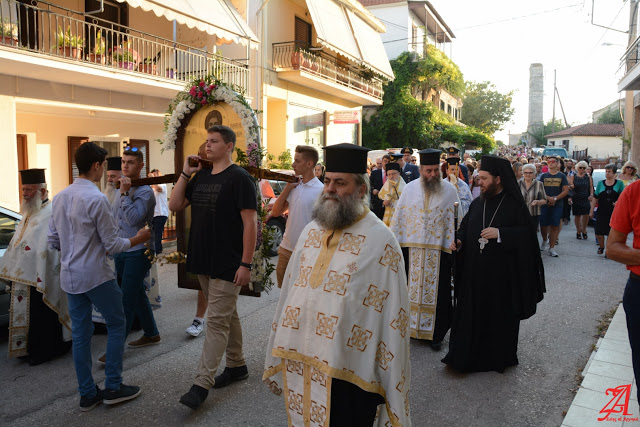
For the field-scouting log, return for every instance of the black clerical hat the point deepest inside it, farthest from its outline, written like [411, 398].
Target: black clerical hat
[345, 157]
[32, 176]
[430, 156]
[393, 166]
[496, 166]
[406, 150]
[114, 163]
[453, 160]
[396, 156]
[452, 151]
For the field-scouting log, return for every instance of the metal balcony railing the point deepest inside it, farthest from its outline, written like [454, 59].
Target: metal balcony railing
[291, 56]
[631, 56]
[68, 35]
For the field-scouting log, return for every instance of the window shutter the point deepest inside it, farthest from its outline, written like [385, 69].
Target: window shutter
[302, 33]
[74, 142]
[143, 146]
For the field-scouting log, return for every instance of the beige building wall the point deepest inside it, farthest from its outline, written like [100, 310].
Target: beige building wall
[600, 147]
[50, 139]
[9, 195]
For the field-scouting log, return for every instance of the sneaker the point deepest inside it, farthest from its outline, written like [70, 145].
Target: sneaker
[87, 404]
[196, 327]
[126, 392]
[144, 341]
[544, 246]
[102, 360]
[553, 253]
[194, 397]
[230, 375]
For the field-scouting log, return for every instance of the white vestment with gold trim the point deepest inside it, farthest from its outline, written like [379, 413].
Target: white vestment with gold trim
[424, 224]
[343, 313]
[29, 261]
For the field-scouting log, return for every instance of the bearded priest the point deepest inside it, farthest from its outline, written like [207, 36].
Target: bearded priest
[423, 224]
[39, 322]
[500, 276]
[339, 346]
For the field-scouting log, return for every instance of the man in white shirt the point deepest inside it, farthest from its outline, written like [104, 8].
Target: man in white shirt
[298, 198]
[161, 211]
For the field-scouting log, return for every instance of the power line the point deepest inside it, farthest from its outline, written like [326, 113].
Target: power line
[519, 17]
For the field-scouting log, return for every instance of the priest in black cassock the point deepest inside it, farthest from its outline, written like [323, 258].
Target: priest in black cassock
[499, 274]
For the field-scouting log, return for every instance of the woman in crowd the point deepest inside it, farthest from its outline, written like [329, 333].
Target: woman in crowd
[532, 192]
[319, 171]
[629, 173]
[582, 185]
[606, 195]
[475, 185]
[391, 191]
[590, 170]
[517, 169]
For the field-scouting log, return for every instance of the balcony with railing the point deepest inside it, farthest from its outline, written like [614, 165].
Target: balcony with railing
[629, 71]
[63, 35]
[312, 67]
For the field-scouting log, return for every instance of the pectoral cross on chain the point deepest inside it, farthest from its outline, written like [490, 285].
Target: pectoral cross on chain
[482, 242]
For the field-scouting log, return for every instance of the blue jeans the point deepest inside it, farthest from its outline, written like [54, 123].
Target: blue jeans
[631, 304]
[158, 229]
[132, 267]
[107, 297]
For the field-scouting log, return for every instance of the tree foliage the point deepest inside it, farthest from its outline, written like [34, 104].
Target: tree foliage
[404, 121]
[538, 135]
[485, 108]
[612, 115]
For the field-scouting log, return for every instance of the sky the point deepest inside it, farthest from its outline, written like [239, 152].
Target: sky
[497, 41]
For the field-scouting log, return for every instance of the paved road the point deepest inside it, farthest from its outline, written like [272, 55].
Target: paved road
[554, 345]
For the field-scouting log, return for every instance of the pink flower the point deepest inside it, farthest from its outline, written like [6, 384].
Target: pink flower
[212, 86]
[199, 95]
[201, 83]
[192, 92]
[203, 102]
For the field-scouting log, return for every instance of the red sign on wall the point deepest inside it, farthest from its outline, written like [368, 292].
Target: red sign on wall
[346, 117]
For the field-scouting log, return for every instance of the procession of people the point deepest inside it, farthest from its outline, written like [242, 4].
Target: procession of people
[367, 263]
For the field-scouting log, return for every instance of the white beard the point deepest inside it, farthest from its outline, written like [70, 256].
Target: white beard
[333, 212]
[29, 207]
[110, 192]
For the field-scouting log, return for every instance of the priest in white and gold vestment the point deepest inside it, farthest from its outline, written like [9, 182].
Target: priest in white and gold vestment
[423, 224]
[39, 322]
[339, 347]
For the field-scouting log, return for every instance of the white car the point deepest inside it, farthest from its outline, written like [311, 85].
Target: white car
[8, 222]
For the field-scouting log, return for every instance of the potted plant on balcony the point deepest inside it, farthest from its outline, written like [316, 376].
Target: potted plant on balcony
[9, 33]
[98, 55]
[69, 46]
[148, 65]
[125, 56]
[296, 58]
[170, 72]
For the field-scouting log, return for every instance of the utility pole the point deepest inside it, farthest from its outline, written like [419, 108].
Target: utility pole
[553, 118]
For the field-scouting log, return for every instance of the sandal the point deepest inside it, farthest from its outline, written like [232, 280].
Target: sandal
[578, 236]
[600, 251]
[584, 236]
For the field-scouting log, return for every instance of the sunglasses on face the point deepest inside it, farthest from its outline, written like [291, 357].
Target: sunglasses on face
[630, 167]
[581, 168]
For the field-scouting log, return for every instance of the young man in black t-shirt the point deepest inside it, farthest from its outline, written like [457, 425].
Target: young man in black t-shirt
[222, 240]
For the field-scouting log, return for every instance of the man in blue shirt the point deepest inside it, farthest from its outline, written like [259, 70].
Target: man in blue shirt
[556, 187]
[133, 210]
[84, 230]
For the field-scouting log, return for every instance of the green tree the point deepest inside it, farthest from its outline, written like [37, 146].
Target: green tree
[404, 121]
[485, 108]
[612, 115]
[538, 135]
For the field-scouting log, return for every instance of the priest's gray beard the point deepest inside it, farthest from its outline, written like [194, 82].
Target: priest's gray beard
[335, 212]
[110, 192]
[28, 207]
[432, 185]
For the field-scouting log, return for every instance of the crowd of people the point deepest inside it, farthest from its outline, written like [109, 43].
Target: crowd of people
[369, 260]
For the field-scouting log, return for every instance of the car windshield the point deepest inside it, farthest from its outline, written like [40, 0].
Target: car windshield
[598, 175]
[555, 152]
[8, 226]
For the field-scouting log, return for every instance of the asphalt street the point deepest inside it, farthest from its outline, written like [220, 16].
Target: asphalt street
[554, 346]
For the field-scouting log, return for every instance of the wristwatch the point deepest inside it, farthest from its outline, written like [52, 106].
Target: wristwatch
[244, 264]
[126, 193]
[555, 199]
